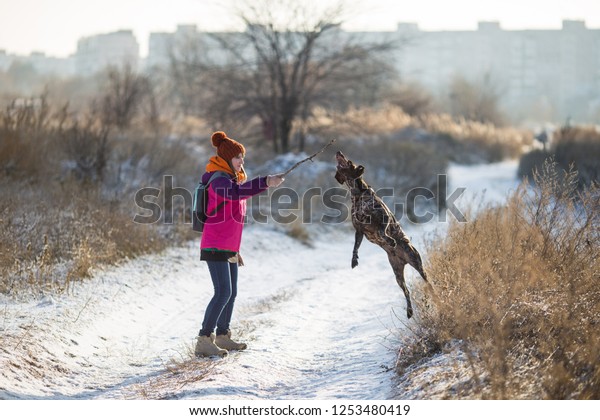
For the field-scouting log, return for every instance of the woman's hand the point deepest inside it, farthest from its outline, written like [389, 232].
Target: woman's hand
[275, 180]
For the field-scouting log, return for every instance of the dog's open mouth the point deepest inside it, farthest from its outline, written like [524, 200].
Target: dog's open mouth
[342, 162]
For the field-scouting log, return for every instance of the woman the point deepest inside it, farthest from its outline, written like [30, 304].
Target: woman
[222, 237]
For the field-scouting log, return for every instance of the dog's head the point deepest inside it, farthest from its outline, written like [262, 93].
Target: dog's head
[348, 172]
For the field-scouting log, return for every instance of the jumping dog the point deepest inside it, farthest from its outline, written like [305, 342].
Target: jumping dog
[373, 219]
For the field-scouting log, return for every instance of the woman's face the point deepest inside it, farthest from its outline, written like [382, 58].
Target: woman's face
[238, 162]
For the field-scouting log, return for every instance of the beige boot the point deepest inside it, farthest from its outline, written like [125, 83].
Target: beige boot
[225, 342]
[205, 346]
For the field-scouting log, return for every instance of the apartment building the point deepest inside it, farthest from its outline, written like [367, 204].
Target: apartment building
[548, 74]
[95, 53]
[163, 46]
[40, 63]
[554, 72]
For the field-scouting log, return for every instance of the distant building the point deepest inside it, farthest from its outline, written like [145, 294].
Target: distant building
[186, 39]
[40, 63]
[45, 65]
[95, 53]
[159, 49]
[5, 60]
[556, 72]
[545, 74]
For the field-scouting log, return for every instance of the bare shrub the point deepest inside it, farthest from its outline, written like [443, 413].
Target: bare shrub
[580, 147]
[476, 101]
[531, 162]
[24, 131]
[34, 140]
[68, 189]
[414, 99]
[87, 147]
[518, 286]
[577, 147]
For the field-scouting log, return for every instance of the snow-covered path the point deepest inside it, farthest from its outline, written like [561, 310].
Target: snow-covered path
[323, 334]
[316, 329]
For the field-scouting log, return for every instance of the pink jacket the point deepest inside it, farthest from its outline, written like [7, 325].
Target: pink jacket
[223, 230]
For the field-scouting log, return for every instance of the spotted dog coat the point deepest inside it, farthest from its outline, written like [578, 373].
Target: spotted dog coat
[373, 219]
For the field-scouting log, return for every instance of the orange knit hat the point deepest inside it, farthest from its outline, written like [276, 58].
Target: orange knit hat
[227, 148]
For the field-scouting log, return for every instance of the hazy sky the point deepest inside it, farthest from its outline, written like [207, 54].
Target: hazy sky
[54, 26]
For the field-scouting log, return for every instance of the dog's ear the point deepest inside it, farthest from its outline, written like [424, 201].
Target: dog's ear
[339, 177]
[360, 170]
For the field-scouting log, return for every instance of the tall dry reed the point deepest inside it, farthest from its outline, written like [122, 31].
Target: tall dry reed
[518, 286]
[459, 139]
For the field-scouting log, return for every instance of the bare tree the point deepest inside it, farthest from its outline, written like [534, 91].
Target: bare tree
[124, 93]
[413, 98]
[188, 64]
[290, 58]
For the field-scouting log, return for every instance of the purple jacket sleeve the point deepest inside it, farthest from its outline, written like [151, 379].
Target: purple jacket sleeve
[229, 190]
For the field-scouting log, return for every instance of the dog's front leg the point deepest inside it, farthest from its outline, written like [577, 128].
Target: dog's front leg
[358, 237]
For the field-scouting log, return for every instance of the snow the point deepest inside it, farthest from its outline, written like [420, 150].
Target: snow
[316, 328]
[484, 183]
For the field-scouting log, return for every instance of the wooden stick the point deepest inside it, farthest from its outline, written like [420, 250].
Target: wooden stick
[308, 158]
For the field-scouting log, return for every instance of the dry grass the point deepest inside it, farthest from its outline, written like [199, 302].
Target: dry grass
[493, 143]
[518, 287]
[178, 373]
[297, 231]
[461, 140]
[45, 245]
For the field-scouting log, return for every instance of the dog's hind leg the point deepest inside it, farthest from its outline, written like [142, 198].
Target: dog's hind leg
[358, 237]
[398, 267]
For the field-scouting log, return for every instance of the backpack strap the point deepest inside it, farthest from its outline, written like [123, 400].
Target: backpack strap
[214, 176]
[217, 174]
